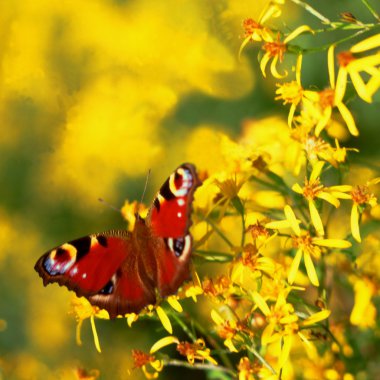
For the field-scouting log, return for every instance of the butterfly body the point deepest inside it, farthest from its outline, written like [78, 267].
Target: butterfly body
[123, 271]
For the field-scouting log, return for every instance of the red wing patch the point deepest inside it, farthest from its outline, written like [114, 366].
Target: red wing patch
[84, 265]
[171, 209]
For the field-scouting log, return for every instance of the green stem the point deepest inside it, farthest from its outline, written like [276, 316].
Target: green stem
[267, 184]
[214, 256]
[200, 366]
[312, 11]
[371, 9]
[184, 326]
[261, 359]
[219, 232]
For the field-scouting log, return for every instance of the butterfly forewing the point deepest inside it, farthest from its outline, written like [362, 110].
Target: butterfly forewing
[170, 219]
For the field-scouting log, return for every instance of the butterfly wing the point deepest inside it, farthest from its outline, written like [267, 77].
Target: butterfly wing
[102, 268]
[169, 220]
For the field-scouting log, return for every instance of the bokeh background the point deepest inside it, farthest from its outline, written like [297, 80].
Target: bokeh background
[93, 94]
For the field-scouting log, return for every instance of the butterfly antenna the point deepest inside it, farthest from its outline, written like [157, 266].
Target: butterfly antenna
[101, 200]
[145, 186]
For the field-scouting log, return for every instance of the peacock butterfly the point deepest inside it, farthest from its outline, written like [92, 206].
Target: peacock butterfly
[122, 271]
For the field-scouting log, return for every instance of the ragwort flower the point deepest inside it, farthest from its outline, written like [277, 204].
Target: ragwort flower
[361, 197]
[333, 97]
[82, 309]
[283, 323]
[275, 50]
[307, 246]
[148, 363]
[313, 188]
[351, 65]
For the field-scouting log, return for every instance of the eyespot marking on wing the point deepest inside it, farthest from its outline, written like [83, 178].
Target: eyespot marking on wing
[179, 246]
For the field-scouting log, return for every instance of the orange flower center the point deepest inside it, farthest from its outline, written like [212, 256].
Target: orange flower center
[250, 26]
[304, 242]
[247, 367]
[361, 195]
[227, 331]
[190, 349]
[344, 58]
[258, 230]
[276, 48]
[312, 188]
[140, 358]
[326, 98]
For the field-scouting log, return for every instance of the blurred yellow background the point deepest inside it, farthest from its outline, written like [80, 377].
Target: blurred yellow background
[93, 94]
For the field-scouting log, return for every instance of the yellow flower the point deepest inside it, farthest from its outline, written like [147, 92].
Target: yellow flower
[292, 92]
[313, 188]
[251, 264]
[195, 351]
[282, 323]
[361, 197]
[82, 309]
[256, 31]
[350, 65]
[148, 363]
[333, 97]
[306, 246]
[192, 351]
[275, 49]
[247, 369]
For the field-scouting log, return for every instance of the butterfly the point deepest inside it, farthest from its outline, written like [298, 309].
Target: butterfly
[122, 271]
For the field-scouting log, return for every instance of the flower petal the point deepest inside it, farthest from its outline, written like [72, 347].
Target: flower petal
[328, 197]
[355, 223]
[294, 267]
[331, 65]
[263, 63]
[317, 317]
[341, 84]
[334, 243]
[260, 302]
[95, 334]
[367, 44]
[310, 269]
[173, 302]
[285, 350]
[293, 221]
[348, 118]
[217, 318]
[297, 188]
[274, 71]
[296, 32]
[163, 342]
[164, 319]
[316, 219]
[360, 86]
[317, 169]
